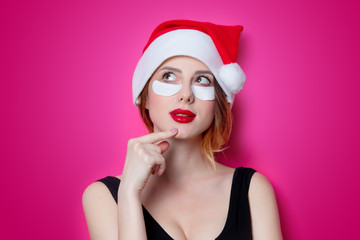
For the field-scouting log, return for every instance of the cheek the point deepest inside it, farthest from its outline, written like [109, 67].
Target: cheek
[156, 104]
[153, 101]
[154, 97]
[208, 112]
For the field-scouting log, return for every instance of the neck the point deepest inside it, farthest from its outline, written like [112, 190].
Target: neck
[185, 161]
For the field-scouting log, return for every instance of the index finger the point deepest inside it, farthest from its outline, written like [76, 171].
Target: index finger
[158, 136]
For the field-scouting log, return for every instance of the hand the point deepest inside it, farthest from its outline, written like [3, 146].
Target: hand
[143, 157]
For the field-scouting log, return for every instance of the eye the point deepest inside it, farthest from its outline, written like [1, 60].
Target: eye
[203, 80]
[169, 76]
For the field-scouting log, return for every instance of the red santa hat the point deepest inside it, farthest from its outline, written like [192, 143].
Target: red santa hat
[215, 45]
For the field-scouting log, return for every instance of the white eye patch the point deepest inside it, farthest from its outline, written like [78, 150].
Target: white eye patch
[204, 93]
[166, 89]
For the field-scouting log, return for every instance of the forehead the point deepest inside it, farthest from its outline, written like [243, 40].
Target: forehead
[184, 62]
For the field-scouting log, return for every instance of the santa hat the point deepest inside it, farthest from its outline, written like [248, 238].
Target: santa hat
[215, 45]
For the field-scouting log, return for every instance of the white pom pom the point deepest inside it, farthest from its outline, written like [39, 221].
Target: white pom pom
[233, 77]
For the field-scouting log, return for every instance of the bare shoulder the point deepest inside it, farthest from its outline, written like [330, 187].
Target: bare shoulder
[97, 191]
[96, 194]
[263, 209]
[100, 211]
[260, 186]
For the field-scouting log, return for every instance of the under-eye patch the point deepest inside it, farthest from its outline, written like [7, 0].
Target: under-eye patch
[167, 89]
[204, 93]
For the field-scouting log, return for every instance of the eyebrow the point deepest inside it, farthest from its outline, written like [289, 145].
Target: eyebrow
[178, 70]
[203, 72]
[171, 69]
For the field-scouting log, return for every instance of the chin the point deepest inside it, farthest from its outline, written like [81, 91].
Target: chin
[187, 134]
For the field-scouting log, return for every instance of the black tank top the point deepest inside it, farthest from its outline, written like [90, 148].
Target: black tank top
[238, 222]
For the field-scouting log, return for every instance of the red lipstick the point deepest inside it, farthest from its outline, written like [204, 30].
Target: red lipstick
[182, 116]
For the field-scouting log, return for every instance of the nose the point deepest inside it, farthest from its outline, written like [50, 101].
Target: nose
[186, 95]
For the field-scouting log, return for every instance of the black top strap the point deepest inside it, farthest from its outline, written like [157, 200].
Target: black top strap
[112, 183]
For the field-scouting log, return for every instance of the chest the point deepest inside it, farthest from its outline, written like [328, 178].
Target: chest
[197, 212]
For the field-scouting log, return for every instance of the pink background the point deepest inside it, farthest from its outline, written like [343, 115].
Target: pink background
[67, 114]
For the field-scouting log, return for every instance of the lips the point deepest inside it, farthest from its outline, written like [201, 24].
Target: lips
[182, 116]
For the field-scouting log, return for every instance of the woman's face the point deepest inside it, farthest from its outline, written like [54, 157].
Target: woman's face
[181, 95]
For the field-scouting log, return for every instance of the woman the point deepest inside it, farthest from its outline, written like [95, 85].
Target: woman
[172, 187]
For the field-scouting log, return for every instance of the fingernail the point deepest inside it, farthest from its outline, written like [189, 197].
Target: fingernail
[174, 130]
